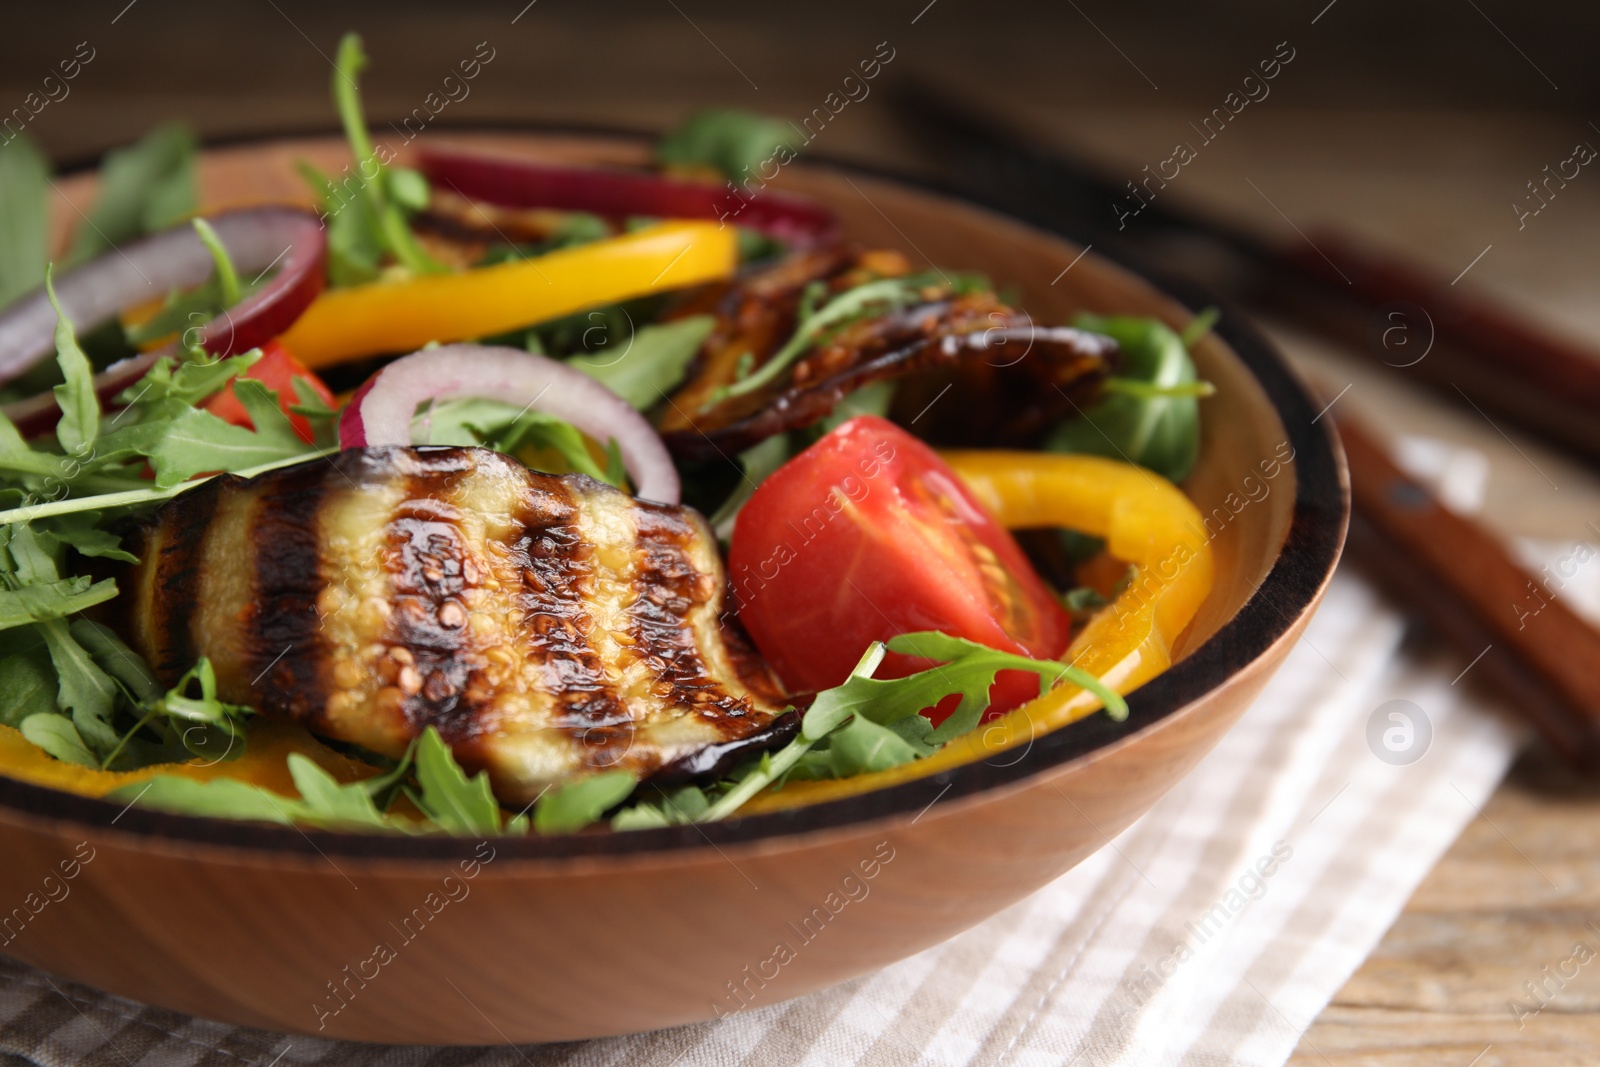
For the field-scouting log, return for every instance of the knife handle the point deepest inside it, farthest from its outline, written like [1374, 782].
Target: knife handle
[1511, 624]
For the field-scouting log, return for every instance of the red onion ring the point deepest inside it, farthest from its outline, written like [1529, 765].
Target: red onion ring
[616, 193]
[257, 239]
[381, 411]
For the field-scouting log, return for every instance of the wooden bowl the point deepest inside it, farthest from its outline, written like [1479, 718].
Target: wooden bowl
[439, 941]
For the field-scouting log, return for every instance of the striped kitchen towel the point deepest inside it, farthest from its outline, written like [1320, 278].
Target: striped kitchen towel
[1213, 931]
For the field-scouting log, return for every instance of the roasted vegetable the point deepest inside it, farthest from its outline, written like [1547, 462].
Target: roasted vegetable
[793, 340]
[550, 627]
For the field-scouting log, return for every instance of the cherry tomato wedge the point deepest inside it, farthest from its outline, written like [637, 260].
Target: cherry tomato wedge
[277, 370]
[868, 534]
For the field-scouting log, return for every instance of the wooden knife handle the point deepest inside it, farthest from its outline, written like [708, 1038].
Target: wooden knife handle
[1511, 623]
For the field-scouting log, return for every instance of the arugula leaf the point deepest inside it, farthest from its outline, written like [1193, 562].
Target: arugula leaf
[970, 669]
[197, 442]
[52, 600]
[184, 383]
[447, 796]
[323, 420]
[80, 407]
[862, 746]
[654, 364]
[1161, 430]
[505, 428]
[27, 686]
[26, 513]
[85, 691]
[332, 802]
[227, 277]
[874, 398]
[680, 806]
[82, 532]
[24, 194]
[219, 731]
[355, 242]
[452, 801]
[758, 463]
[57, 736]
[569, 808]
[870, 724]
[385, 191]
[219, 798]
[114, 657]
[732, 141]
[869, 298]
[30, 557]
[143, 188]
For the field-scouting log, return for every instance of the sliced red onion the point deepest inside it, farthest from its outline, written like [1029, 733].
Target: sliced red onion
[381, 411]
[617, 193]
[258, 239]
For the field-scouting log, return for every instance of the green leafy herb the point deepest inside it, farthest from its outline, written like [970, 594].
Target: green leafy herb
[80, 407]
[654, 363]
[505, 428]
[218, 728]
[52, 600]
[447, 796]
[197, 442]
[24, 189]
[874, 398]
[328, 803]
[1152, 416]
[871, 724]
[757, 463]
[119, 661]
[227, 277]
[355, 239]
[674, 807]
[453, 802]
[1083, 600]
[570, 807]
[83, 690]
[27, 686]
[869, 298]
[386, 191]
[57, 736]
[323, 420]
[1199, 326]
[734, 142]
[143, 188]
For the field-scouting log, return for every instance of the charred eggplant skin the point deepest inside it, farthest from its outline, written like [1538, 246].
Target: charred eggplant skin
[549, 626]
[1016, 378]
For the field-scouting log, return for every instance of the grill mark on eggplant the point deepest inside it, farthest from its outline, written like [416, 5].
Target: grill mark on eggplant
[558, 567]
[427, 563]
[670, 586]
[283, 628]
[177, 579]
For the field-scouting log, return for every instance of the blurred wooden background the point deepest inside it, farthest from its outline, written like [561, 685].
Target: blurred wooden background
[1415, 125]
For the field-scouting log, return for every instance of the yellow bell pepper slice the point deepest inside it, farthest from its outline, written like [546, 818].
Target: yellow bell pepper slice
[265, 762]
[1145, 520]
[401, 316]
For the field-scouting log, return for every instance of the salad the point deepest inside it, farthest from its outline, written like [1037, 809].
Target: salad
[499, 496]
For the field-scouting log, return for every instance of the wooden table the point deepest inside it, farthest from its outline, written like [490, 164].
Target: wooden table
[1517, 890]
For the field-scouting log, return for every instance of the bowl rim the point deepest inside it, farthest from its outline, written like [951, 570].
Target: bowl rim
[1302, 568]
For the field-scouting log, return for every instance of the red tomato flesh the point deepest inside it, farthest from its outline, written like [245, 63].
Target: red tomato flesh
[277, 370]
[868, 534]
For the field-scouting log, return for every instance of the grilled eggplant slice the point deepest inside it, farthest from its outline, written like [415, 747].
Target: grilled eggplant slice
[1014, 378]
[549, 626]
